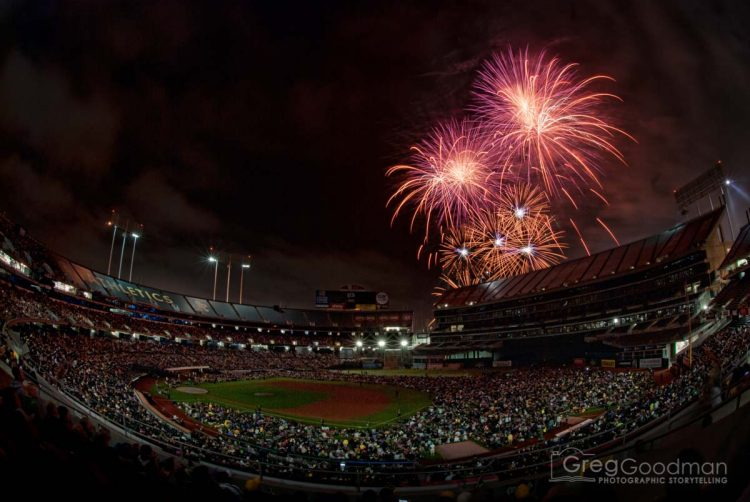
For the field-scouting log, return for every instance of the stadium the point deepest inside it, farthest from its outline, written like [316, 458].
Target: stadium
[614, 371]
[261, 391]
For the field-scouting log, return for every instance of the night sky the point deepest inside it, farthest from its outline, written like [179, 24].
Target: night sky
[265, 128]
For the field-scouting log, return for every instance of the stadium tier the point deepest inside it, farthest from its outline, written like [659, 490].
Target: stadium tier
[629, 304]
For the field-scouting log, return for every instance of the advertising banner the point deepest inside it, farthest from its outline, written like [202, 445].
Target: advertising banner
[649, 362]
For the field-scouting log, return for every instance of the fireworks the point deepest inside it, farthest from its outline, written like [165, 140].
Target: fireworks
[494, 239]
[546, 120]
[514, 237]
[457, 257]
[449, 177]
[485, 187]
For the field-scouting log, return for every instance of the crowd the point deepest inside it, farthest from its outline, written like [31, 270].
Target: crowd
[47, 453]
[518, 409]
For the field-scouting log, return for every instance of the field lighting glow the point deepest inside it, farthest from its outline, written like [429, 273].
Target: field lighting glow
[404, 343]
[381, 343]
[358, 343]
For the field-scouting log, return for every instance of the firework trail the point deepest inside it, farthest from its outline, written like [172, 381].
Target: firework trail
[546, 120]
[449, 178]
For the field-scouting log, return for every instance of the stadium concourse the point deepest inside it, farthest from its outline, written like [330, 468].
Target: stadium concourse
[75, 360]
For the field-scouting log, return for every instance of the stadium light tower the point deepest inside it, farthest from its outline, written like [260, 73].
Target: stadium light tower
[122, 251]
[135, 236]
[215, 261]
[245, 266]
[725, 192]
[113, 221]
[381, 344]
[229, 275]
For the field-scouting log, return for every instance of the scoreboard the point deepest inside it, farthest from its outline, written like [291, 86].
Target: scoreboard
[350, 300]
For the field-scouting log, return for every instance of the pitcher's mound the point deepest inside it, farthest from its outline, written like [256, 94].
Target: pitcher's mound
[192, 390]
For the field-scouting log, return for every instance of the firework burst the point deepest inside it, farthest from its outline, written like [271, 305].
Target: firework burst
[457, 258]
[519, 235]
[493, 239]
[524, 203]
[538, 246]
[546, 120]
[449, 177]
[514, 237]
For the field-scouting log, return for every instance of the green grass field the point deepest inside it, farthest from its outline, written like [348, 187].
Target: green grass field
[248, 395]
[413, 372]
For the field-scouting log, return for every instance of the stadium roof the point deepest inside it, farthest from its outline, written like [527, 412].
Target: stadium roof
[740, 248]
[678, 240]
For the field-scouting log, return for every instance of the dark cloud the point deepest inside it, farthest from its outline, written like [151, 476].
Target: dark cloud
[48, 196]
[266, 129]
[152, 198]
[37, 105]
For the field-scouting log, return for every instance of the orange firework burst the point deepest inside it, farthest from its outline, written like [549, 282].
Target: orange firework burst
[494, 240]
[524, 202]
[449, 179]
[538, 245]
[457, 258]
[514, 237]
[546, 119]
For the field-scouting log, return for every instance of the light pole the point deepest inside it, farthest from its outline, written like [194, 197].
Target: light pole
[135, 237]
[727, 184]
[245, 266]
[215, 261]
[122, 251]
[404, 344]
[229, 275]
[112, 223]
[381, 344]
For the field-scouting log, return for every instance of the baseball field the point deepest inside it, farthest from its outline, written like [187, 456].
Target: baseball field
[338, 404]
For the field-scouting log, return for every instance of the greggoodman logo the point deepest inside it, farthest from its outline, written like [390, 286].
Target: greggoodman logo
[571, 464]
[572, 461]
